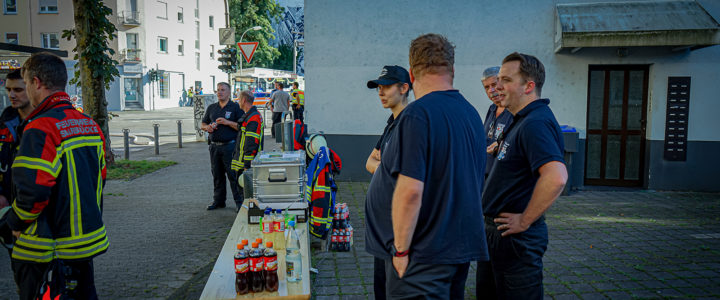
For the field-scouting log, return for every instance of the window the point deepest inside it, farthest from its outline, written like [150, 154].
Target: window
[181, 47]
[48, 6]
[50, 41]
[162, 14]
[212, 22]
[197, 34]
[197, 60]
[10, 7]
[162, 44]
[212, 51]
[11, 38]
[164, 82]
[132, 40]
[180, 15]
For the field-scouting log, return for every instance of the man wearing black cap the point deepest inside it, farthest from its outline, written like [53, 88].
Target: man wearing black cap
[393, 87]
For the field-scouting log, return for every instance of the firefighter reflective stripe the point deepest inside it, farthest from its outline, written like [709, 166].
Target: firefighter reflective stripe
[320, 188]
[253, 134]
[298, 94]
[36, 256]
[31, 229]
[101, 164]
[249, 157]
[236, 165]
[260, 133]
[24, 215]
[52, 168]
[74, 193]
[39, 249]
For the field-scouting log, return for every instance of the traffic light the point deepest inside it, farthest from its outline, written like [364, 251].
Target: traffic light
[153, 75]
[228, 59]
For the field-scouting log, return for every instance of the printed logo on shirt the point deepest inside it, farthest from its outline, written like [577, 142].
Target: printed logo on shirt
[499, 130]
[228, 114]
[503, 150]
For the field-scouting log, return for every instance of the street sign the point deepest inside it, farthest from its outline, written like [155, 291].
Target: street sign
[227, 36]
[248, 49]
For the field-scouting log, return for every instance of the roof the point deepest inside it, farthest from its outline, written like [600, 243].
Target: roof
[7, 49]
[635, 23]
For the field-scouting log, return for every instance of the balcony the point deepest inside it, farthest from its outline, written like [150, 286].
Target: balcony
[129, 18]
[131, 55]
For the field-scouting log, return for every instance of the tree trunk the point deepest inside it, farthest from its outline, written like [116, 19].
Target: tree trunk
[93, 87]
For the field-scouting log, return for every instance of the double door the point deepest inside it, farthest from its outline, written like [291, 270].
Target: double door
[616, 120]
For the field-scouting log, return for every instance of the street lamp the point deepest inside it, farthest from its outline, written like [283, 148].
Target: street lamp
[254, 28]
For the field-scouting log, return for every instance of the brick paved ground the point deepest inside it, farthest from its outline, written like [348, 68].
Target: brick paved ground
[603, 245]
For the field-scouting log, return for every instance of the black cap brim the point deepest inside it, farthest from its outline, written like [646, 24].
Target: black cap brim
[374, 83]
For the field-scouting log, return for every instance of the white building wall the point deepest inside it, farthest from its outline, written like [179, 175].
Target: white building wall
[347, 43]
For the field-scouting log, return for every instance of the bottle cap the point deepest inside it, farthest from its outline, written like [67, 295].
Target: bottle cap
[258, 241]
[254, 245]
[269, 244]
[240, 246]
[244, 242]
[279, 211]
[291, 223]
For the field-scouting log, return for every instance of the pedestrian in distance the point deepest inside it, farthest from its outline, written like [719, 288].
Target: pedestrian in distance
[59, 174]
[298, 102]
[10, 120]
[528, 175]
[221, 123]
[393, 86]
[430, 179]
[280, 103]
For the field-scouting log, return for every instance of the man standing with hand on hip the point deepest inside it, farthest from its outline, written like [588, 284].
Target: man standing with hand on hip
[528, 176]
[431, 167]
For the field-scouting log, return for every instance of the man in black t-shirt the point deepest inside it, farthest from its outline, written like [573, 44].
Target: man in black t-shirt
[393, 87]
[529, 174]
[221, 122]
[423, 212]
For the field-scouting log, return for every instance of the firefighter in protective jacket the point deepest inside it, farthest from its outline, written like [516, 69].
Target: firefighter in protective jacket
[250, 139]
[59, 173]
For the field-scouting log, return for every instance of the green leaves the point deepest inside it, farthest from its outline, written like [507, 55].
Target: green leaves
[245, 14]
[92, 32]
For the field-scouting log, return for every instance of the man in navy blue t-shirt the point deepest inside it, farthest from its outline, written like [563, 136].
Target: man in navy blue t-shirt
[497, 118]
[529, 174]
[424, 197]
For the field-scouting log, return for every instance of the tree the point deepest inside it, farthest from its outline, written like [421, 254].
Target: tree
[245, 14]
[285, 60]
[95, 69]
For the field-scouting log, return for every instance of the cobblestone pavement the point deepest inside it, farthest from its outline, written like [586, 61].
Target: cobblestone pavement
[603, 245]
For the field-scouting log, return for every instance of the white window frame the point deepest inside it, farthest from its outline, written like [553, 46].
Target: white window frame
[17, 38]
[181, 15]
[181, 47]
[211, 22]
[45, 38]
[197, 61]
[5, 9]
[161, 5]
[160, 39]
[46, 9]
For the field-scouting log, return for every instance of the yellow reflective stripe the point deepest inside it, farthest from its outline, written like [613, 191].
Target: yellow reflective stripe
[80, 141]
[82, 240]
[262, 132]
[252, 134]
[74, 191]
[31, 229]
[322, 189]
[249, 157]
[101, 164]
[23, 214]
[83, 252]
[52, 168]
[34, 242]
[23, 254]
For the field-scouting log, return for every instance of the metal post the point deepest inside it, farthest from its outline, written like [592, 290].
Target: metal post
[126, 142]
[179, 122]
[156, 128]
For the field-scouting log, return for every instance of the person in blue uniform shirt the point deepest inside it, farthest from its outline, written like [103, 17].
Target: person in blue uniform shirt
[497, 118]
[527, 177]
[221, 123]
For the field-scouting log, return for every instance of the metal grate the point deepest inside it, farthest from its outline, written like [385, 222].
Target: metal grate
[676, 119]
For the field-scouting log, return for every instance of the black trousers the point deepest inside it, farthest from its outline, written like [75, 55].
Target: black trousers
[276, 118]
[298, 113]
[29, 277]
[427, 281]
[379, 279]
[515, 270]
[220, 161]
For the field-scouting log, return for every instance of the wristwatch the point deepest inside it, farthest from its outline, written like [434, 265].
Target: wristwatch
[397, 253]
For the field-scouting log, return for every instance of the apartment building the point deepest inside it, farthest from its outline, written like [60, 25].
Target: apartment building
[177, 37]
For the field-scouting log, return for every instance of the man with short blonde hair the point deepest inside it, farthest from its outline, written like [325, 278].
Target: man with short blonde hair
[432, 168]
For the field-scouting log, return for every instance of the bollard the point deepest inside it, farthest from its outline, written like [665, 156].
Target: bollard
[156, 128]
[126, 142]
[179, 122]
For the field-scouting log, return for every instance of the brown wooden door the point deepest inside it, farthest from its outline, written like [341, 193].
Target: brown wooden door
[616, 119]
